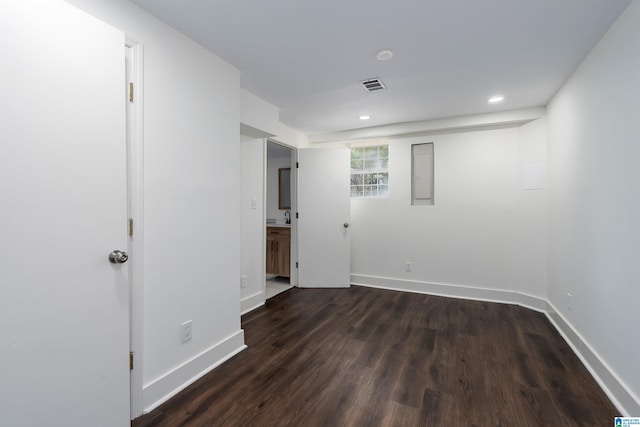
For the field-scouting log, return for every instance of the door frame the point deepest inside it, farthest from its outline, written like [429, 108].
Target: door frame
[135, 189]
[293, 271]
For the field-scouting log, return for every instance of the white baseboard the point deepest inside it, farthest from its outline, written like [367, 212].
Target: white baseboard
[168, 385]
[252, 302]
[455, 291]
[609, 381]
[625, 401]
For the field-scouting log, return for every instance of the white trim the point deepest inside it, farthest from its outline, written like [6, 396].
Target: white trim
[293, 271]
[293, 256]
[168, 385]
[454, 291]
[621, 396]
[137, 213]
[265, 164]
[252, 302]
[468, 123]
[614, 387]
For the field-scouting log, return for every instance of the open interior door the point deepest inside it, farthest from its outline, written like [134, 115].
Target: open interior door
[64, 331]
[324, 218]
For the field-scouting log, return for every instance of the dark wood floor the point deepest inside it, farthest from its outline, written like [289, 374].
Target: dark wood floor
[371, 357]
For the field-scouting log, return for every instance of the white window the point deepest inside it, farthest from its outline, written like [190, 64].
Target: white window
[370, 171]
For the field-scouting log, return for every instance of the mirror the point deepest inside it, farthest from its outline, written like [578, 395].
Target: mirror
[284, 188]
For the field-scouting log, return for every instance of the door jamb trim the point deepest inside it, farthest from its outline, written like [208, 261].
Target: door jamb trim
[137, 244]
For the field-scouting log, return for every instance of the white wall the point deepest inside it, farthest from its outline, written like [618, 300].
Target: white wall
[252, 222]
[470, 237]
[530, 231]
[258, 118]
[291, 137]
[191, 201]
[594, 208]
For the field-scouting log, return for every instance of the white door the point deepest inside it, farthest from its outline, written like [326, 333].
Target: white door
[64, 339]
[323, 226]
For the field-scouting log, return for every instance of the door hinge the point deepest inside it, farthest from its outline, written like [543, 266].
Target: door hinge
[297, 216]
[131, 360]
[130, 226]
[297, 165]
[130, 91]
[296, 264]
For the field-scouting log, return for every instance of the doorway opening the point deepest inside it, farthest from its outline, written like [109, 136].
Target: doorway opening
[281, 230]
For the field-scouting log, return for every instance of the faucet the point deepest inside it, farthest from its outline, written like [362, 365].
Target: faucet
[287, 215]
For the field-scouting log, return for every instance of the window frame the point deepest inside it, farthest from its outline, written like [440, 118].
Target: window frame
[369, 171]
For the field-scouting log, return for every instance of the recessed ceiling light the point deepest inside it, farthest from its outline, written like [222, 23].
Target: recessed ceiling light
[384, 55]
[495, 99]
[364, 117]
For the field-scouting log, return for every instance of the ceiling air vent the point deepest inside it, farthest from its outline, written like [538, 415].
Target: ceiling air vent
[372, 85]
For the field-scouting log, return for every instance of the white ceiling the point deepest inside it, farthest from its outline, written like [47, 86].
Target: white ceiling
[308, 56]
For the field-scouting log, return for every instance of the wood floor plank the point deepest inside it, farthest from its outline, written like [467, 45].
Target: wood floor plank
[373, 357]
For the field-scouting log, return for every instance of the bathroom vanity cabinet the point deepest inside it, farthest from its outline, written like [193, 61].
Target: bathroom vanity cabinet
[279, 250]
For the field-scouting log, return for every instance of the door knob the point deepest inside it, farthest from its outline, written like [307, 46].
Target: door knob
[118, 257]
[346, 225]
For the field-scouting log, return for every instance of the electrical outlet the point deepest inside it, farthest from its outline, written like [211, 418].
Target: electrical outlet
[243, 281]
[186, 332]
[568, 301]
[407, 266]
[253, 203]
